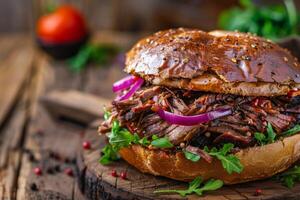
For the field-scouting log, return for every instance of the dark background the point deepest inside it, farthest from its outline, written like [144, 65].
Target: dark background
[125, 15]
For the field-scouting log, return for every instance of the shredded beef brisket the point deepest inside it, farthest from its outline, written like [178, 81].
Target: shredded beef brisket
[250, 115]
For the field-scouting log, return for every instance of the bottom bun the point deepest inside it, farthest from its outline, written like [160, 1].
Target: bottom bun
[259, 162]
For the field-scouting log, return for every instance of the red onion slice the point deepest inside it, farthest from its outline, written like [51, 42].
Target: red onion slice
[172, 118]
[124, 83]
[136, 85]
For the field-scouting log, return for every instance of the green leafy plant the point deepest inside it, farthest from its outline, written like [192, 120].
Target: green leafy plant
[121, 137]
[262, 139]
[196, 186]
[98, 53]
[273, 22]
[161, 142]
[229, 161]
[292, 131]
[289, 177]
[191, 156]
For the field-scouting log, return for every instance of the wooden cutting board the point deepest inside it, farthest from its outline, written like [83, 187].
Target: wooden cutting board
[96, 181]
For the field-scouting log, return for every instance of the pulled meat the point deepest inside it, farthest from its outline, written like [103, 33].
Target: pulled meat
[250, 115]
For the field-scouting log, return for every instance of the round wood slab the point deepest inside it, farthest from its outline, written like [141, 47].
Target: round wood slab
[96, 181]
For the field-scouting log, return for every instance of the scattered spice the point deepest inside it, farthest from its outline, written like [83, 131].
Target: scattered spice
[37, 171]
[114, 173]
[86, 145]
[69, 171]
[33, 187]
[123, 175]
[57, 168]
[50, 170]
[258, 192]
[54, 155]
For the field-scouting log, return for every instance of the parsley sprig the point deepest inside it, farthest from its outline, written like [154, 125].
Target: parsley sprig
[291, 176]
[196, 186]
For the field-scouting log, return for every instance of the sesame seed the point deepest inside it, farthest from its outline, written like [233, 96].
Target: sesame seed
[285, 59]
[234, 60]
[207, 134]
[185, 60]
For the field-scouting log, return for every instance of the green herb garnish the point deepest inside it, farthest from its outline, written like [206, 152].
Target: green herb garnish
[262, 139]
[292, 131]
[291, 176]
[98, 53]
[191, 156]
[273, 22]
[229, 161]
[121, 137]
[195, 187]
[161, 142]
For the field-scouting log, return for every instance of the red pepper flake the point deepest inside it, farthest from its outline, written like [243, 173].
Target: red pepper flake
[114, 173]
[37, 171]
[68, 171]
[258, 192]
[86, 145]
[123, 175]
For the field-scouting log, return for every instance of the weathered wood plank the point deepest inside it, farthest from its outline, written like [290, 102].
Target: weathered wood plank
[11, 140]
[14, 71]
[50, 144]
[74, 105]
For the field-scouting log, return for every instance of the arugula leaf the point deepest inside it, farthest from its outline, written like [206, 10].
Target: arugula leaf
[291, 176]
[194, 187]
[191, 156]
[292, 131]
[263, 139]
[106, 114]
[144, 141]
[109, 155]
[271, 134]
[229, 162]
[210, 186]
[260, 137]
[162, 143]
[121, 137]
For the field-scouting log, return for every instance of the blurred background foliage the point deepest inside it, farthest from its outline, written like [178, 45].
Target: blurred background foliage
[272, 18]
[272, 21]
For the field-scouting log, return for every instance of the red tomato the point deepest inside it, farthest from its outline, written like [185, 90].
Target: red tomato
[64, 25]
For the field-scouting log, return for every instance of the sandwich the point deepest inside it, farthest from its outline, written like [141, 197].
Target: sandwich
[221, 105]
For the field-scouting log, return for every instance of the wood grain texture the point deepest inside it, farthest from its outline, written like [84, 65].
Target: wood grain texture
[14, 70]
[78, 106]
[50, 144]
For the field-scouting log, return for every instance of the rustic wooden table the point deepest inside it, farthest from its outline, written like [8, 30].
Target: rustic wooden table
[29, 136]
[32, 137]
